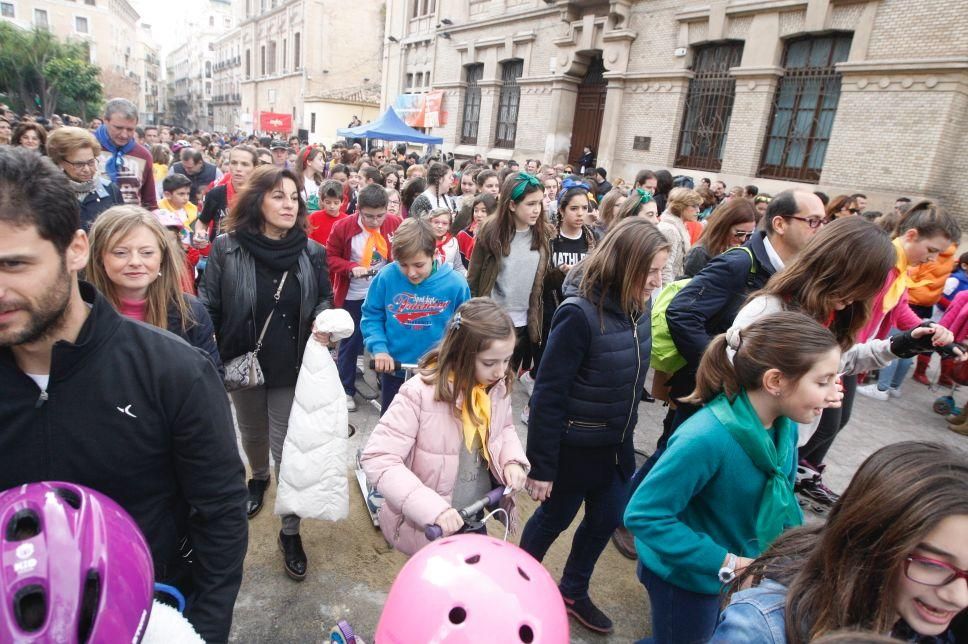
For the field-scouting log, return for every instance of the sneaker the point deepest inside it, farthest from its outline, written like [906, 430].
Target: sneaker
[359, 366]
[810, 485]
[350, 403]
[527, 381]
[624, 542]
[894, 393]
[872, 391]
[588, 615]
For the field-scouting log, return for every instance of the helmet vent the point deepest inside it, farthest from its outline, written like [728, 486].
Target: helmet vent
[69, 497]
[30, 607]
[457, 615]
[473, 559]
[23, 525]
[90, 599]
[523, 574]
[526, 634]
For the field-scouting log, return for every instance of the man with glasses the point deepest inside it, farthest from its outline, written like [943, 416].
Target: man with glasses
[707, 305]
[357, 248]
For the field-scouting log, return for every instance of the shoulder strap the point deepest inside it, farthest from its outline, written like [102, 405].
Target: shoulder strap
[751, 277]
[278, 294]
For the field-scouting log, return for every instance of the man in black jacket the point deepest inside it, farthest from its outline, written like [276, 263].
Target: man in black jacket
[127, 409]
[194, 166]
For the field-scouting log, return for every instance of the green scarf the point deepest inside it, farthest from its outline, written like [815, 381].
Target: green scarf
[778, 509]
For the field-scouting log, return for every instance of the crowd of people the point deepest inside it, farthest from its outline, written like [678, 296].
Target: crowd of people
[152, 280]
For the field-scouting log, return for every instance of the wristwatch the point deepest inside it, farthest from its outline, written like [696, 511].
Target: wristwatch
[728, 572]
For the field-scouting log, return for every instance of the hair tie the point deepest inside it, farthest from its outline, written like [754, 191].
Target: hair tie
[526, 180]
[734, 340]
[570, 184]
[455, 323]
[644, 196]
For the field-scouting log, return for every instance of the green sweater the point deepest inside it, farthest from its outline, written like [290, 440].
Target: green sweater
[699, 502]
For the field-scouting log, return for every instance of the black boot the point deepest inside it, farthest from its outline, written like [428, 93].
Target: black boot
[257, 490]
[294, 557]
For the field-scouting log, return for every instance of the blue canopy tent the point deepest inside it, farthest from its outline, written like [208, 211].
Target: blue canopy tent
[389, 127]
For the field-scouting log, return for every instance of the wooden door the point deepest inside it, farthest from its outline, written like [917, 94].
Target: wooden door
[589, 110]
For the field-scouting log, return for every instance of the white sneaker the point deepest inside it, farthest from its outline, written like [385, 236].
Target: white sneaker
[871, 391]
[527, 382]
[894, 393]
[350, 403]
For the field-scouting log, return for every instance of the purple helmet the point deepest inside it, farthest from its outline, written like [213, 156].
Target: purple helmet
[75, 567]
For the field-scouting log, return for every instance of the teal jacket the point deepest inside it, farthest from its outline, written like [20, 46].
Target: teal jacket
[699, 502]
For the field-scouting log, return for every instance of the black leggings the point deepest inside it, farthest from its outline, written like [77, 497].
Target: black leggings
[831, 422]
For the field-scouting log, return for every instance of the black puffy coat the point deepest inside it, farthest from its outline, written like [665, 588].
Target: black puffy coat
[584, 407]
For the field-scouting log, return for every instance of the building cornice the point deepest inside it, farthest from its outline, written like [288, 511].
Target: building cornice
[918, 66]
[515, 16]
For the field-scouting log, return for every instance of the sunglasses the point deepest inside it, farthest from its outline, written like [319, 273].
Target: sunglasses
[812, 222]
[854, 211]
[742, 234]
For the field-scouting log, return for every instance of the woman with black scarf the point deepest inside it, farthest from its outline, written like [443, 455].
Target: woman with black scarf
[266, 265]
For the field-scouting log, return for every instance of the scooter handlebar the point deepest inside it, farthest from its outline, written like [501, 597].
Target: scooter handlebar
[434, 531]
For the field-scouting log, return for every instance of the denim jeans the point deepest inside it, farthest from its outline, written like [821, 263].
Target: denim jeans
[390, 384]
[350, 348]
[679, 616]
[604, 504]
[892, 376]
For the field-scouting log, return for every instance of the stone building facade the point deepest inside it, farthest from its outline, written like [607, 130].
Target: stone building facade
[109, 27]
[840, 95]
[227, 77]
[294, 51]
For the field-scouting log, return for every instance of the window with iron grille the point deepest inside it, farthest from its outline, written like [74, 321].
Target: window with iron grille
[804, 108]
[510, 99]
[472, 105]
[709, 105]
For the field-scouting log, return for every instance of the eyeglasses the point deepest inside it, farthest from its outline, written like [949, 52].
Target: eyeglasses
[812, 222]
[80, 165]
[742, 234]
[931, 572]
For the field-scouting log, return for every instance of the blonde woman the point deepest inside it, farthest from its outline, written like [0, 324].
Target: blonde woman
[75, 151]
[137, 266]
[682, 205]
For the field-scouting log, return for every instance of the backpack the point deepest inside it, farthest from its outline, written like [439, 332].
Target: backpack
[665, 356]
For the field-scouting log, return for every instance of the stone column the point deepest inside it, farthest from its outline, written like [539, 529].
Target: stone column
[611, 120]
[755, 88]
[561, 116]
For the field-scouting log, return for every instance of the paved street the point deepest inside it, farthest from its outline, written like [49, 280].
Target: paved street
[351, 567]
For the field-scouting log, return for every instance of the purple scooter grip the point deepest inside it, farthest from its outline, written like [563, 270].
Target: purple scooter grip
[434, 531]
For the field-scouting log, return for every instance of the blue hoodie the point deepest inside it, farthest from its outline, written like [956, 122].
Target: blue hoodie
[406, 320]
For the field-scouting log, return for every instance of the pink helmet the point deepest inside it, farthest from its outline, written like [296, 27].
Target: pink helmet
[75, 567]
[473, 588]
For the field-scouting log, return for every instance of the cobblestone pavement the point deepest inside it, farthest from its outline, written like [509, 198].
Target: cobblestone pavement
[351, 567]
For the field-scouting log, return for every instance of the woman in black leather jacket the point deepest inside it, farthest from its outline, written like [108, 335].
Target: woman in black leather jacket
[265, 264]
[585, 404]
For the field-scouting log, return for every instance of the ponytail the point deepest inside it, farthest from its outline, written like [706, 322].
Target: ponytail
[788, 341]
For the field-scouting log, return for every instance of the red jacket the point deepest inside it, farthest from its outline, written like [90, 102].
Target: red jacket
[339, 251]
[321, 225]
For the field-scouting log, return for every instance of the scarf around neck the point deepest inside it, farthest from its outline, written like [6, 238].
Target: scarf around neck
[83, 187]
[778, 509]
[895, 291]
[480, 402]
[116, 163]
[277, 254]
[375, 243]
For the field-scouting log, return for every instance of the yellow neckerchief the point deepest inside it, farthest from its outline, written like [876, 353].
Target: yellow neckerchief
[902, 282]
[481, 404]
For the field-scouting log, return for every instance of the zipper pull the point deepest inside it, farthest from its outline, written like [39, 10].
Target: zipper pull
[41, 399]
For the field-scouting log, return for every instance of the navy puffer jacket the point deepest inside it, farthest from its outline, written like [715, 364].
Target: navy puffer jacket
[586, 395]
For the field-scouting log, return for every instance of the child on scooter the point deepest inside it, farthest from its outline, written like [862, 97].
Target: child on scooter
[449, 431]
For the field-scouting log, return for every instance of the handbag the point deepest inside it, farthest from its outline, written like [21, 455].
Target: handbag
[245, 372]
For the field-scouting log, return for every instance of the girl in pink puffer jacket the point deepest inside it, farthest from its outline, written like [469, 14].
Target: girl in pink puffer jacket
[449, 431]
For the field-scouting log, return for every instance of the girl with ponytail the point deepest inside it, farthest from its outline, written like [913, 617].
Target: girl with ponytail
[723, 490]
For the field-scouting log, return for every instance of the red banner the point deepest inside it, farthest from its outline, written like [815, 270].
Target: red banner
[275, 122]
